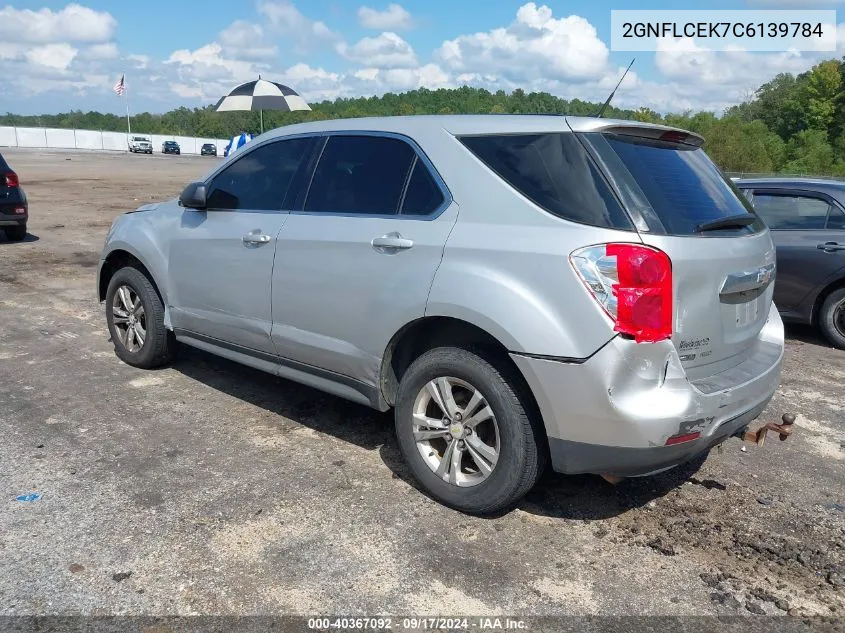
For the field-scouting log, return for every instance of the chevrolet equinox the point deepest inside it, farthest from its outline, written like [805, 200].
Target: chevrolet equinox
[521, 290]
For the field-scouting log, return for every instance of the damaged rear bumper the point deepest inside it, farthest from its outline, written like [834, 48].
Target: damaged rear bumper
[615, 412]
[623, 461]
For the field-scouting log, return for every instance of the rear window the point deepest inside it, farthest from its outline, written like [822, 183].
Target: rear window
[554, 171]
[680, 183]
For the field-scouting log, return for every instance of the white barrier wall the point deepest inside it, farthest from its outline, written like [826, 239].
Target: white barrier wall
[32, 137]
[8, 138]
[86, 139]
[61, 138]
[54, 138]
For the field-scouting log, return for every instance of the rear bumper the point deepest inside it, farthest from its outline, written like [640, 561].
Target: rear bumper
[614, 412]
[8, 217]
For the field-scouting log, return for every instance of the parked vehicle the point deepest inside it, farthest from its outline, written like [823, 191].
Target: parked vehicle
[14, 210]
[208, 149]
[170, 147]
[520, 289]
[141, 144]
[807, 221]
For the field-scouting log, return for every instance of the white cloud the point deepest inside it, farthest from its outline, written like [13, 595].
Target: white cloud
[139, 61]
[74, 23]
[209, 71]
[304, 34]
[380, 80]
[105, 51]
[58, 56]
[388, 50]
[536, 45]
[245, 40]
[393, 18]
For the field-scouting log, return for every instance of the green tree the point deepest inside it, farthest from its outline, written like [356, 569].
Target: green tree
[808, 152]
[821, 93]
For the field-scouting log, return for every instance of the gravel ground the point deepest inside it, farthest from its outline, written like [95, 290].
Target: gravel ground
[210, 488]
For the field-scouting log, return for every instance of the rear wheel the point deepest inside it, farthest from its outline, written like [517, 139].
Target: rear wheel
[832, 318]
[16, 233]
[135, 317]
[465, 428]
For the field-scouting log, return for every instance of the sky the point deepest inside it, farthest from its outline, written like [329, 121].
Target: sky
[59, 56]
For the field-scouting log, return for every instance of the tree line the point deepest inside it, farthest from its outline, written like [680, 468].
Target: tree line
[791, 124]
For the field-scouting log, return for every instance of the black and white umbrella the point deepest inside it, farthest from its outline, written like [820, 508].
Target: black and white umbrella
[261, 95]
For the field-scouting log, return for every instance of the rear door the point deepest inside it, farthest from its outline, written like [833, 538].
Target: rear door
[808, 229]
[721, 276]
[221, 258]
[357, 262]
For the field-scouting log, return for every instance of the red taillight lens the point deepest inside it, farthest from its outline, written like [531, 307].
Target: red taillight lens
[680, 439]
[633, 283]
[12, 179]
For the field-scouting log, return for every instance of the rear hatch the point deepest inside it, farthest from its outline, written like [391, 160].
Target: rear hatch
[722, 256]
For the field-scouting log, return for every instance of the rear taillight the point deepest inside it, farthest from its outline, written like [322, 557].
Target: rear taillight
[633, 283]
[11, 179]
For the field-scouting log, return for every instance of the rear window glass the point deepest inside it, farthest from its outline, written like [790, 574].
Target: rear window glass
[555, 172]
[682, 185]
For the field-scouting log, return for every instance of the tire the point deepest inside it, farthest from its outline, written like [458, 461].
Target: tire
[158, 342]
[521, 443]
[16, 233]
[832, 318]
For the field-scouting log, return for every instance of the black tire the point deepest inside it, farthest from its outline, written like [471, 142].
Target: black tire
[522, 443]
[16, 233]
[159, 342]
[832, 318]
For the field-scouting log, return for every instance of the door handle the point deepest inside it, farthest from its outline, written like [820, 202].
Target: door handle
[256, 237]
[391, 242]
[831, 247]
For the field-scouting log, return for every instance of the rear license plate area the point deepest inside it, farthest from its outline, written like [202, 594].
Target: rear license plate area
[746, 313]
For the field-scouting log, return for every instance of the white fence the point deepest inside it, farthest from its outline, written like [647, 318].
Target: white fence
[54, 138]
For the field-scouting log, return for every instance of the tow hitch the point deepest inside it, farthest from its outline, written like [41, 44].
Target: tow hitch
[783, 430]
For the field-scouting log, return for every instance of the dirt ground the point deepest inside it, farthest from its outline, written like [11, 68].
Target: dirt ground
[210, 488]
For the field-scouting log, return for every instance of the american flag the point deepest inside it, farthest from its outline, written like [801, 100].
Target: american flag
[120, 87]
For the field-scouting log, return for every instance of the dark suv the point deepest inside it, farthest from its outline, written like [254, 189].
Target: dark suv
[208, 149]
[170, 147]
[14, 211]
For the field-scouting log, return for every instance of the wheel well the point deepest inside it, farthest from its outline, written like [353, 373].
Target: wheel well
[424, 334]
[824, 294]
[114, 262]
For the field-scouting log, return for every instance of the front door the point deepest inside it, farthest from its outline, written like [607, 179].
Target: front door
[221, 258]
[357, 263]
[808, 230]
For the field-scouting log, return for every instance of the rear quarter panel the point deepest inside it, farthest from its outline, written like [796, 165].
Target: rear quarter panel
[506, 266]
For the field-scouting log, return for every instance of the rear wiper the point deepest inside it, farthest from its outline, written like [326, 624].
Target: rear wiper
[730, 222]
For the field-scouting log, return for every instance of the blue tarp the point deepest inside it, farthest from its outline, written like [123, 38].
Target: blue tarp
[237, 142]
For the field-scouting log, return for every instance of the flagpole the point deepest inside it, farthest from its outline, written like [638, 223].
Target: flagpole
[126, 99]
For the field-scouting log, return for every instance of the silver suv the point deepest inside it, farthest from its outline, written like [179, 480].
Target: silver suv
[520, 289]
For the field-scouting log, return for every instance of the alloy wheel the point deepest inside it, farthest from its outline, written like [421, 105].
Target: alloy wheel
[129, 318]
[456, 431]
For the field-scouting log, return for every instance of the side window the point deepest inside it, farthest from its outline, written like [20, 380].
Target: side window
[423, 195]
[360, 174]
[260, 179]
[836, 219]
[790, 211]
[553, 171]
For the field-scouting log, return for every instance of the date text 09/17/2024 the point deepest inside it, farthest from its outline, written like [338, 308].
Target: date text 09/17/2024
[417, 624]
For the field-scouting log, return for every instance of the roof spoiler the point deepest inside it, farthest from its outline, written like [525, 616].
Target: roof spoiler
[657, 133]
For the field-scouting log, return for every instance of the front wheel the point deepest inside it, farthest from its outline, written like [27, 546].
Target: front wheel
[467, 430]
[135, 317]
[832, 318]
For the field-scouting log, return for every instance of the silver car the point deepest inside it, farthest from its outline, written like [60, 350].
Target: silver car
[522, 290]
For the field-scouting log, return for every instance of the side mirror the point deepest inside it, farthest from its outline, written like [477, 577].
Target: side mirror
[194, 196]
